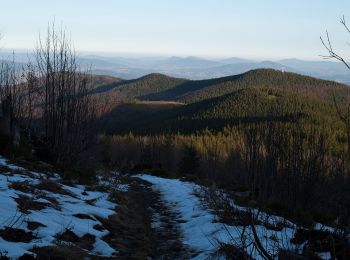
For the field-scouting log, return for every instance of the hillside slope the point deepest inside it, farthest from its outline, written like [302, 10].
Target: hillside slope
[243, 106]
[146, 85]
[259, 95]
[194, 91]
[158, 87]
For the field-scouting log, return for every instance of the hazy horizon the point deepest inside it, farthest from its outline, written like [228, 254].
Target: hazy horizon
[268, 30]
[140, 55]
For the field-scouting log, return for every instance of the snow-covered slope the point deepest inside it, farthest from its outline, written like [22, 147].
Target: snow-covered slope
[36, 210]
[203, 232]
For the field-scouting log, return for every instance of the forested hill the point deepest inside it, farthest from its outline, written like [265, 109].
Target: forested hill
[243, 106]
[159, 87]
[101, 81]
[149, 84]
[256, 96]
[193, 91]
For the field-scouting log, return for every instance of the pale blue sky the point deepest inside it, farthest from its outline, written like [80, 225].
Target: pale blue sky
[214, 28]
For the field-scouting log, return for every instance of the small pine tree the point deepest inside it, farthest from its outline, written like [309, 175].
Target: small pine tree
[189, 163]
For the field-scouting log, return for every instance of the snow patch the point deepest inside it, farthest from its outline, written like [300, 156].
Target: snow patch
[201, 229]
[54, 219]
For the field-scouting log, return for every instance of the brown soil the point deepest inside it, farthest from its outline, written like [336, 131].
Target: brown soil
[133, 229]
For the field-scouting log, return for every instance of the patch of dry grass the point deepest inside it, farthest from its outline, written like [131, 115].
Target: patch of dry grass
[54, 187]
[26, 204]
[60, 252]
[16, 235]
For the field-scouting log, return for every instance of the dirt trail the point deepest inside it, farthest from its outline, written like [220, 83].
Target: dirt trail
[145, 228]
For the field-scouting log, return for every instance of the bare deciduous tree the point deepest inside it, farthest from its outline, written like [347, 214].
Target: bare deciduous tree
[341, 194]
[67, 108]
[332, 53]
[344, 115]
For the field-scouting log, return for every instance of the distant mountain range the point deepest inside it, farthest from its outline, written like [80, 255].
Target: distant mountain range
[196, 68]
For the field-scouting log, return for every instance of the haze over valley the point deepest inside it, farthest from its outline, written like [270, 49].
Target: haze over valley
[196, 68]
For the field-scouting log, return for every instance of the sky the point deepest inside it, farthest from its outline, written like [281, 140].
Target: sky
[260, 29]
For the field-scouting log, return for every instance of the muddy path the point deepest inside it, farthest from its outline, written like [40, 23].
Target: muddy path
[145, 227]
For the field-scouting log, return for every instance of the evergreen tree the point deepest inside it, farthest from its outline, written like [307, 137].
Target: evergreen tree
[189, 163]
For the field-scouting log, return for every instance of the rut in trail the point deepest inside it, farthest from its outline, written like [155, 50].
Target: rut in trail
[145, 227]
